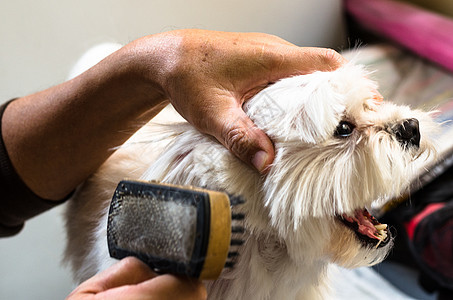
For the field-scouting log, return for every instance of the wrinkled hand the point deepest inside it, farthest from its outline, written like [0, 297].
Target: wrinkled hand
[130, 279]
[208, 75]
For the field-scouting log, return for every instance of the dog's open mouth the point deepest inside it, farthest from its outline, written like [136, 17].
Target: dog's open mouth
[367, 228]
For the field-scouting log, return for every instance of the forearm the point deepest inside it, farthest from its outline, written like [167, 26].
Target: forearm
[56, 138]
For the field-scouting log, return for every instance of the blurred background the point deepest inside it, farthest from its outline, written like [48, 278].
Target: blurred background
[41, 40]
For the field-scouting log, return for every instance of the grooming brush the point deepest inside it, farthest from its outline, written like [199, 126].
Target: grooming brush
[174, 229]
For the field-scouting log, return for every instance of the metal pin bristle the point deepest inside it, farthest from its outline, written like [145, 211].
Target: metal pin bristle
[236, 242]
[233, 254]
[236, 200]
[238, 216]
[237, 229]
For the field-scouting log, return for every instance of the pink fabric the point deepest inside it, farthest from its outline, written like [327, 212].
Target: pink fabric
[413, 223]
[428, 34]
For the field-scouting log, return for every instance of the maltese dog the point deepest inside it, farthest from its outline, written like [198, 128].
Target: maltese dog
[339, 149]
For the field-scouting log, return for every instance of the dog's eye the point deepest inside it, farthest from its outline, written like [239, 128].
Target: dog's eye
[344, 129]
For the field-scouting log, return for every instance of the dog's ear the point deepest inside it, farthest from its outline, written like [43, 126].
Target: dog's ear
[305, 108]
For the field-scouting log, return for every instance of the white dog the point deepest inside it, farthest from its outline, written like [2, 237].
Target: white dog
[338, 150]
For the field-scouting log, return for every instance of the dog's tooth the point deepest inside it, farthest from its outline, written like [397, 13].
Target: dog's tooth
[381, 226]
[381, 235]
[380, 241]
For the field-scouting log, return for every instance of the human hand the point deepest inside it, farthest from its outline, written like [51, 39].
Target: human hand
[208, 75]
[131, 279]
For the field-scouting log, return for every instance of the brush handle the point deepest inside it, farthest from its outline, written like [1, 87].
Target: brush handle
[173, 229]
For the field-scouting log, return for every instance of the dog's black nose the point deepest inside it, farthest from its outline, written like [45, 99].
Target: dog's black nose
[408, 133]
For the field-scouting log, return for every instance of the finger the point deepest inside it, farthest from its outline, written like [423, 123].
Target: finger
[126, 272]
[229, 124]
[241, 136]
[324, 59]
[172, 287]
[291, 60]
[163, 287]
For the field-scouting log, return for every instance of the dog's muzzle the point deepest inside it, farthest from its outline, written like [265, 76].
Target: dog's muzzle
[408, 133]
[367, 228]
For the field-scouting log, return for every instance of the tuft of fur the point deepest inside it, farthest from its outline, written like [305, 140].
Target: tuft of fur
[293, 232]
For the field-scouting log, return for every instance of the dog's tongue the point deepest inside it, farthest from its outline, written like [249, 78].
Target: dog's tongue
[365, 221]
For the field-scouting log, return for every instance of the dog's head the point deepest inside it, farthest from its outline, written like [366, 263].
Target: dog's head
[339, 148]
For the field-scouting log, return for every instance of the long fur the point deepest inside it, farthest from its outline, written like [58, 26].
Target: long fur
[292, 230]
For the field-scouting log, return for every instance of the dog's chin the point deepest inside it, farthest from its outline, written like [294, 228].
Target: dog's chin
[359, 240]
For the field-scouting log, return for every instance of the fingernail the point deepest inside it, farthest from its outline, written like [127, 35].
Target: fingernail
[259, 160]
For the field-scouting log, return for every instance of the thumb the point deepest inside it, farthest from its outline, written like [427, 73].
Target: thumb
[244, 139]
[128, 271]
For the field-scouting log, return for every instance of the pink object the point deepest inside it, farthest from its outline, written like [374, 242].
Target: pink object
[411, 225]
[428, 34]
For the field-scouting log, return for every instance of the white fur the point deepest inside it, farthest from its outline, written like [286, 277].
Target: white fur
[292, 233]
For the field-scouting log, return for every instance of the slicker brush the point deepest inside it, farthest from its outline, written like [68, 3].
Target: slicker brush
[174, 229]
